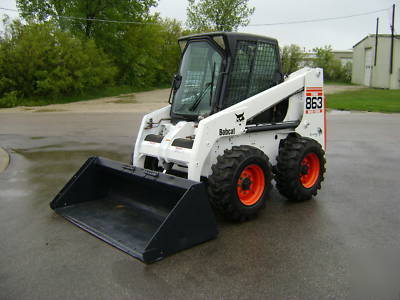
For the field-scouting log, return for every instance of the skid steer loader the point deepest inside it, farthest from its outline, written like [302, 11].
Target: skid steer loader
[234, 124]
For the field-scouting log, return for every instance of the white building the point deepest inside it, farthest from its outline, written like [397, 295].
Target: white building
[345, 56]
[371, 65]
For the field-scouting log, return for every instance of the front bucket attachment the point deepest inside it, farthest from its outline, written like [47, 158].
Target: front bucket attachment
[147, 214]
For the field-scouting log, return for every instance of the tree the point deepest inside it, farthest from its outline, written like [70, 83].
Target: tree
[292, 57]
[131, 46]
[78, 15]
[144, 52]
[148, 55]
[218, 15]
[41, 60]
[333, 69]
[170, 52]
[324, 58]
[347, 71]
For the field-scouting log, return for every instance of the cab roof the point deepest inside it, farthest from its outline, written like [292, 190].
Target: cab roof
[230, 38]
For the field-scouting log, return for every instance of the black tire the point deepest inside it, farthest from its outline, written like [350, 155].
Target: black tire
[223, 183]
[291, 168]
[151, 163]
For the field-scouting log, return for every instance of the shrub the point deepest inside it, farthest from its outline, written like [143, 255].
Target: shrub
[9, 100]
[333, 68]
[39, 60]
[292, 58]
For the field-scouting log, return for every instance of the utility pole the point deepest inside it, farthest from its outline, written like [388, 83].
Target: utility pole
[392, 42]
[376, 40]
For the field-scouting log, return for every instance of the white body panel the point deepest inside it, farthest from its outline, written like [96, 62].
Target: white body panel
[224, 129]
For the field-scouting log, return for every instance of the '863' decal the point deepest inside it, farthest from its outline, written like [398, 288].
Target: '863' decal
[314, 103]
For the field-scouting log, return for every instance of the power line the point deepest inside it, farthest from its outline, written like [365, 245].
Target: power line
[84, 19]
[253, 25]
[322, 19]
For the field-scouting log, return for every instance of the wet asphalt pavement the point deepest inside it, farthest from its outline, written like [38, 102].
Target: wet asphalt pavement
[343, 244]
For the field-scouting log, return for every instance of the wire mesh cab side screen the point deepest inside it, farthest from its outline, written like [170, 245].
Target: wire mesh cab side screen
[253, 70]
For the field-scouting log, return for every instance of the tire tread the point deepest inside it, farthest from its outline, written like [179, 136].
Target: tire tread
[219, 182]
[291, 153]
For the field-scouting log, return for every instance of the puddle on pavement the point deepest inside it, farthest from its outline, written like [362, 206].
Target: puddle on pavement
[56, 147]
[37, 174]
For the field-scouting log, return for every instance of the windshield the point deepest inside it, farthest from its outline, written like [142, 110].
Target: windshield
[200, 69]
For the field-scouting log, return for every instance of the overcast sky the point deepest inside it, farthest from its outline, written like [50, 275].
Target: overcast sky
[341, 34]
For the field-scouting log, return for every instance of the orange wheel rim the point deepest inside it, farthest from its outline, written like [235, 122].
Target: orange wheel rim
[310, 168]
[251, 184]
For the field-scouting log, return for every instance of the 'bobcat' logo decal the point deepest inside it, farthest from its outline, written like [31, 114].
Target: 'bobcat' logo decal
[239, 117]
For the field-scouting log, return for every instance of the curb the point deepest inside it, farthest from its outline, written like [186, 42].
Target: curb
[4, 160]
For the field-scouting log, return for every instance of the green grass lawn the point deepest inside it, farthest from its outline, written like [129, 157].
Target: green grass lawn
[366, 100]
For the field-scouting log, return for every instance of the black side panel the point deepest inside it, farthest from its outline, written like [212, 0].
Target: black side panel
[184, 143]
[148, 215]
[86, 176]
[154, 138]
[274, 126]
[191, 222]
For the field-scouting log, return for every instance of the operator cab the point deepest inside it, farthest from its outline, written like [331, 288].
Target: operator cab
[221, 69]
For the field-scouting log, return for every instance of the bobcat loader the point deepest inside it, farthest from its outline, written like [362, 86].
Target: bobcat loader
[234, 124]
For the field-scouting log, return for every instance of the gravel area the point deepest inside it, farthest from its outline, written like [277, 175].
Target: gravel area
[334, 89]
[135, 102]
